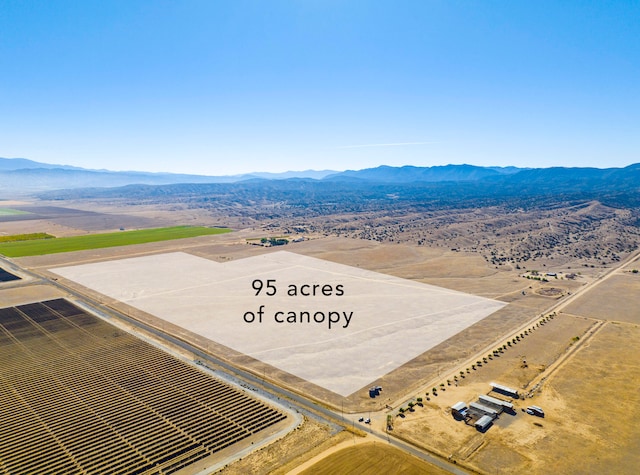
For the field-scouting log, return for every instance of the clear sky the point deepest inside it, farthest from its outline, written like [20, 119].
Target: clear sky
[230, 86]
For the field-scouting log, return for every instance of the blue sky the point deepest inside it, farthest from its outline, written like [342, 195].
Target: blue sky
[224, 87]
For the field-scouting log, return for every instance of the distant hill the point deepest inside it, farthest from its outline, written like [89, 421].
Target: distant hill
[23, 176]
[24, 163]
[314, 174]
[407, 174]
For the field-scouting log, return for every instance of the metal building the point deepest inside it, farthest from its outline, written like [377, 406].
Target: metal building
[482, 409]
[495, 402]
[483, 423]
[499, 388]
[459, 410]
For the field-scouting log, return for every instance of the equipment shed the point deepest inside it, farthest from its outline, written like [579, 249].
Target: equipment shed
[505, 390]
[482, 409]
[459, 409]
[495, 402]
[484, 423]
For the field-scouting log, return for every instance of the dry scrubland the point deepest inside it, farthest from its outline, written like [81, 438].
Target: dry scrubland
[588, 385]
[372, 459]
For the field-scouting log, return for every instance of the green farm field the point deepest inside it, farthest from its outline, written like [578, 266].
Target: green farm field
[40, 247]
[11, 212]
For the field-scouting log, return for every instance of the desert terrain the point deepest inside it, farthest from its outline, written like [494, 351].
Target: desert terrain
[570, 313]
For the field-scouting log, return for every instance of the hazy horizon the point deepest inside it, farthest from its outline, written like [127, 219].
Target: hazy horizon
[312, 170]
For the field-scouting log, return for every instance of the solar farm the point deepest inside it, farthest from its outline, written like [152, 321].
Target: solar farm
[91, 398]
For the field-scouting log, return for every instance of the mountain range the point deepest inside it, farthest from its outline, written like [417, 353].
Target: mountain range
[22, 176]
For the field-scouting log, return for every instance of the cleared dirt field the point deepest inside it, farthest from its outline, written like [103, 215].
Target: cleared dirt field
[617, 299]
[74, 221]
[372, 459]
[337, 326]
[10, 297]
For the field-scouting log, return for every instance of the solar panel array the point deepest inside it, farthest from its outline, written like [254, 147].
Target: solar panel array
[78, 395]
[6, 276]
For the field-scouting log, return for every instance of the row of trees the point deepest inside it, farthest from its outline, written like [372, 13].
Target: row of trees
[478, 364]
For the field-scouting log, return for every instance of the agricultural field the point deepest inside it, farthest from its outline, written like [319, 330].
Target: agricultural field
[11, 212]
[25, 237]
[95, 399]
[370, 459]
[36, 247]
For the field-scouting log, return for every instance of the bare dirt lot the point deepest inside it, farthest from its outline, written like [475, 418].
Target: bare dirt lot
[337, 326]
[539, 349]
[617, 299]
